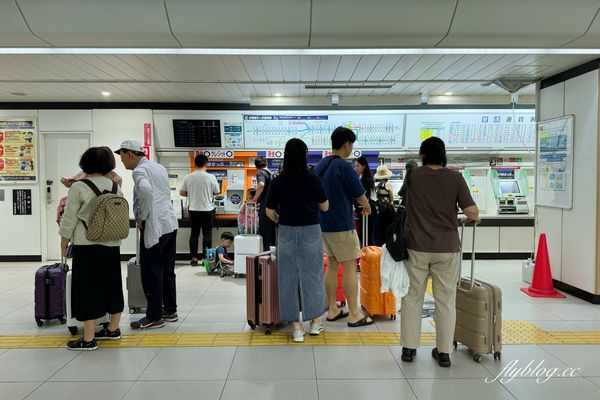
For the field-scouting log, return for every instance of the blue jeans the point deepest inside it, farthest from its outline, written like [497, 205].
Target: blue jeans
[300, 257]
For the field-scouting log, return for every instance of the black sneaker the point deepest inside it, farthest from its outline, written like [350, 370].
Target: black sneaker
[408, 354]
[106, 334]
[145, 323]
[443, 359]
[169, 317]
[82, 345]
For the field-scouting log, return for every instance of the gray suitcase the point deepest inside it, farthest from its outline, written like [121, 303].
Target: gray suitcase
[478, 313]
[136, 298]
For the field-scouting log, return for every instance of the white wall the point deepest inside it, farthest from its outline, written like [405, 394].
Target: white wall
[571, 234]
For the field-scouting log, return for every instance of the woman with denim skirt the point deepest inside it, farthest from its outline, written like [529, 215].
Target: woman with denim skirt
[294, 200]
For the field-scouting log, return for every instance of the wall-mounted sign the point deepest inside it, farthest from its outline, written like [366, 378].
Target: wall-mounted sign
[220, 154]
[148, 135]
[18, 138]
[21, 201]
[274, 154]
[147, 152]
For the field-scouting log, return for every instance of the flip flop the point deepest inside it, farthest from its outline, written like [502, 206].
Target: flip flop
[361, 322]
[341, 315]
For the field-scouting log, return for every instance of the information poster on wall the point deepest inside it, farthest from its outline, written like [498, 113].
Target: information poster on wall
[21, 201]
[233, 135]
[493, 128]
[373, 131]
[17, 149]
[554, 180]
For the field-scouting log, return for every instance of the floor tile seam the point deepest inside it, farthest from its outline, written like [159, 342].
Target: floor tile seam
[68, 362]
[132, 383]
[34, 390]
[148, 365]
[229, 371]
[592, 382]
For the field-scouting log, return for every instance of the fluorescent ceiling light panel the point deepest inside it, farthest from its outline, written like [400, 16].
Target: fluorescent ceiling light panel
[341, 86]
[286, 52]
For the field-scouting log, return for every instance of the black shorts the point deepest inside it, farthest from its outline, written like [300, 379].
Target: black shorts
[97, 288]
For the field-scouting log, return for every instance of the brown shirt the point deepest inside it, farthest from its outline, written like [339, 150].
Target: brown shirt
[431, 209]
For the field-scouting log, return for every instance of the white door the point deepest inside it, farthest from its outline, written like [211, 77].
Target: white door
[62, 152]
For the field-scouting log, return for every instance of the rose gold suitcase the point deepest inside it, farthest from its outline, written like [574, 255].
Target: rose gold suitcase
[478, 313]
[262, 291]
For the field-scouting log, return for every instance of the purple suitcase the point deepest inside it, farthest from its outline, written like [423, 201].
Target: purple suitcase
[50, 293]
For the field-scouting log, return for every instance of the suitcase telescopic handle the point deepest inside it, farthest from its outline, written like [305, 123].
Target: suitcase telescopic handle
[137, 246]
[462, 236]
[365, 230]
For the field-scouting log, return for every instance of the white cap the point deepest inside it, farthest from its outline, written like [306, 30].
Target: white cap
[130, 144]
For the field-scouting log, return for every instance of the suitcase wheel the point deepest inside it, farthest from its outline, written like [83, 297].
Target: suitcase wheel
[497, 356]
[252, 324]
[73, 330]
[267, 329]
[39, 322]
[393, 317]
[477, 358]
[132, 310]
[62, 320]
[455, 345]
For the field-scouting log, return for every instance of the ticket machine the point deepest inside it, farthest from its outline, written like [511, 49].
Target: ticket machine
[234, 197]
[510, 189]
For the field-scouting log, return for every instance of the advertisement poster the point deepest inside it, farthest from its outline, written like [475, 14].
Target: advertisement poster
[554, 180]
[17, 150]
[233, 135]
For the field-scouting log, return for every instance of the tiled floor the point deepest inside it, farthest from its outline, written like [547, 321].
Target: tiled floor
[209, 304]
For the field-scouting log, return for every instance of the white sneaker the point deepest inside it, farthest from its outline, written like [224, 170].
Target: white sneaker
[298, 336]
[316, 328]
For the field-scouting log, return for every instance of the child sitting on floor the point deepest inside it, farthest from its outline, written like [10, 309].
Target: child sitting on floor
[224, 263]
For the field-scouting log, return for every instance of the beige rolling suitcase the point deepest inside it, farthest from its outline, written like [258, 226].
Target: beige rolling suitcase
[478, 313]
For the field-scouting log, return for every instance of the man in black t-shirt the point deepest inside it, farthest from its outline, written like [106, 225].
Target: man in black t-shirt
[266, 227]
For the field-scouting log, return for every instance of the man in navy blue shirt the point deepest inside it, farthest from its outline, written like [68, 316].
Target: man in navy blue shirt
[342, 186]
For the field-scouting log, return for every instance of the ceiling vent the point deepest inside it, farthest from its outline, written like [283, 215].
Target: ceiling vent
[511, 84]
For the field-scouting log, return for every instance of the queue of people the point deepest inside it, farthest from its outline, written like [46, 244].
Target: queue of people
[315, 213]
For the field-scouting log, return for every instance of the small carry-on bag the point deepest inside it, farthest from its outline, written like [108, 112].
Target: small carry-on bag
[371, 299]
[248, 243]
[262, 291]
[50, 296]
[478, 313]
[136, 297]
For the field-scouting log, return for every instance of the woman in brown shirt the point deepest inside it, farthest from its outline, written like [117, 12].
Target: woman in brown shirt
[432, 200]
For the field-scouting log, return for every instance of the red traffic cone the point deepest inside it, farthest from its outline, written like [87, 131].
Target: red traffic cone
[541, 285]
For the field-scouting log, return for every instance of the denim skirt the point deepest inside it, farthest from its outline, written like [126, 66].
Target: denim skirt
[300, 257]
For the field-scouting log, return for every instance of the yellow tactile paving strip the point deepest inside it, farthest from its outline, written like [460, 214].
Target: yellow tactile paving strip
[514, 332]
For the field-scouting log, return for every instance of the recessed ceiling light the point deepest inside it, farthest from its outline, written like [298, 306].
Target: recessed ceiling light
[277, 94]
[105, 94]
[18, 94]
[448, 93]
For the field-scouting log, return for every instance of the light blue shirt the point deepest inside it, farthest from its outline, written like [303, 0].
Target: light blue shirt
[152, 201]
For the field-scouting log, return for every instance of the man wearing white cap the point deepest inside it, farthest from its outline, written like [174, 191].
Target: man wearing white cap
[158, 225]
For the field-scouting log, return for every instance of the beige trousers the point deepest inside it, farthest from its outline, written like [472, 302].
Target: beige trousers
[443, 268]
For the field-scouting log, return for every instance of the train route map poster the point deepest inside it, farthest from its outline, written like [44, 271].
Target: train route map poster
[18, 138]
[373, 131]
[554, 180]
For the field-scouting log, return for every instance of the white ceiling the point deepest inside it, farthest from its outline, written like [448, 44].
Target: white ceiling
[283, 24]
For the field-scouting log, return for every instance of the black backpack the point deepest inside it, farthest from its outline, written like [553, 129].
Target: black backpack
[394, 237]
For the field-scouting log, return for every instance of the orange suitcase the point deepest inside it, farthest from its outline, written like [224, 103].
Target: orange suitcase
[339, 293]
[371, 299]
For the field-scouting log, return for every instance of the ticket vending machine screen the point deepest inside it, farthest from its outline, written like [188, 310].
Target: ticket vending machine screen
[510, 186]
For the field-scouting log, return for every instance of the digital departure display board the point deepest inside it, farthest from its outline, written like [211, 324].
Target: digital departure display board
[197, 132]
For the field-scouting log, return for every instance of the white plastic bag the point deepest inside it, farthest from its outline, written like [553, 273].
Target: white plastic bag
[393, 275]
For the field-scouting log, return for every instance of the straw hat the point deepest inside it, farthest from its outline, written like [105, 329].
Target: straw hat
[383, 172]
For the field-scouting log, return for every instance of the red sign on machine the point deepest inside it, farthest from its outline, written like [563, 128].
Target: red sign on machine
[147, 152]
[148, 135]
